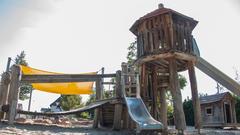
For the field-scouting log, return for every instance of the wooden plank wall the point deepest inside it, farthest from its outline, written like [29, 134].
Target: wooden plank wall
[155, 35]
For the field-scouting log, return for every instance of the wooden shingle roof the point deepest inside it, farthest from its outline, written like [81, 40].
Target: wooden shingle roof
[213, 98]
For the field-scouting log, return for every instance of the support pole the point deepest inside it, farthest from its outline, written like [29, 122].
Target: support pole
[163, 110]
[30, 100]
[8, 64]
[127, 119]
[14, 93]
[97, 110]
[195, 99]
[179, 117]
[4, 91]
[154, 94]
[99, 96]
[118, 106]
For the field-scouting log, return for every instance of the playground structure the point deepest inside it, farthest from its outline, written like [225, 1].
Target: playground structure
[165, 46]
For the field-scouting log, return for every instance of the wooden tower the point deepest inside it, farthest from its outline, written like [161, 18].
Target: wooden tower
[164, 48]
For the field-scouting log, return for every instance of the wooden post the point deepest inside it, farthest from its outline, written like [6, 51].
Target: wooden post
[163, 110]
[234, 112]
[97, 110]
[179, 117]
[99, 96]
[143, 82]
[195, 99]
[118, 106]
[154, 93]
[30, 100]
[13, 93]
[126, 121]
[5, 80]
[8, 64]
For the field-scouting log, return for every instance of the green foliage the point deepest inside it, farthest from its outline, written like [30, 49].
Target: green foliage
[91, 99]
[69, 102]
[188, 111]
[170, 115]
[182, 81]
[236, 98]
[20, 59]
[237, 107]
[108, 94]
[25, 88]
[132, 52]
[84, 115]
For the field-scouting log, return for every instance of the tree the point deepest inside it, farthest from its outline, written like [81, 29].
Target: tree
[132, 52]
[25, 88]
[188, 111]
[69, 102]
[236, 98]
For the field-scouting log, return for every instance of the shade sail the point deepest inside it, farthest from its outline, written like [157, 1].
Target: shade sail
[59, 88]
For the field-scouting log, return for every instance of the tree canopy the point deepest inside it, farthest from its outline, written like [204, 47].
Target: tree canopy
[69, 102]
[25, 88]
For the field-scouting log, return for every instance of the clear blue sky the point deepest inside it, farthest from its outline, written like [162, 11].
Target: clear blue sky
[75, 36]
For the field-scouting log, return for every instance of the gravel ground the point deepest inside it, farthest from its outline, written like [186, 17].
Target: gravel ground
[35, 129]
[26, 129]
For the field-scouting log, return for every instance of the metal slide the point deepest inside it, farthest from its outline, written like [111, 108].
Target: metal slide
[218, 76]
[83, 109]
[139, 113]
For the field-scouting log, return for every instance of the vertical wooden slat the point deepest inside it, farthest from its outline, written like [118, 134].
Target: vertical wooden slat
[182, 37]
[195, 99]
[171, 32]
[234, 112]
[13, 93]
[166, 33]
[177, 97]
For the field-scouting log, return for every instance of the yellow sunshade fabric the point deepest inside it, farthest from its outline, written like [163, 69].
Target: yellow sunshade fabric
[59, 88]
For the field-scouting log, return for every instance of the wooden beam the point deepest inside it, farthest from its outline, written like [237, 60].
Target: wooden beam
[97, 111]
[5, 80]
[118, 107]
[63, 78]
[195, 99]
[162, 56]
[184, 56]
[179, 116]
[153, 57]
[155, 88]
[163, 110]
[14, 93]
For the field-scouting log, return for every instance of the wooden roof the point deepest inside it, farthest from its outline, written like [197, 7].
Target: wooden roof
[157, 12]
[213, 98]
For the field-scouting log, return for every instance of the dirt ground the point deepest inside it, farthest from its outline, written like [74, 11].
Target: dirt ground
[54, 129]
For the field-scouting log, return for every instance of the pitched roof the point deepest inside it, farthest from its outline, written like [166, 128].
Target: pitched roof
[213, 98]
[157, 12]
[56, 101]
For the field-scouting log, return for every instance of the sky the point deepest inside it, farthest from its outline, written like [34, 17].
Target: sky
[73, 36]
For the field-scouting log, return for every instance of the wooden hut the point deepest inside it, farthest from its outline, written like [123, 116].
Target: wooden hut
[218, 110]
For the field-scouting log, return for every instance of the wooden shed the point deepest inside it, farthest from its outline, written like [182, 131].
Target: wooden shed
[218, 110]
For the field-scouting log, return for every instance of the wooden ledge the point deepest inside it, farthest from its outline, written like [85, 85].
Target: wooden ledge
[177, 55]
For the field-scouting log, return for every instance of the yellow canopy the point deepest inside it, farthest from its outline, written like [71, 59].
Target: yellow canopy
[59, 88]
